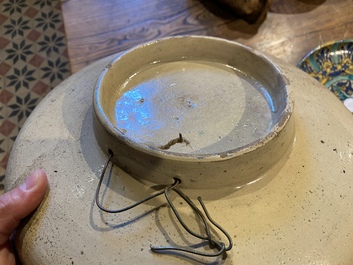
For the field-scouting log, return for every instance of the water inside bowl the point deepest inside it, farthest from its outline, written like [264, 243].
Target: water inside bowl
[215, 107]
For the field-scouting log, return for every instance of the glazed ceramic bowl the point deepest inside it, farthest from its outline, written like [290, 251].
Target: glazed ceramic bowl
[300, 212]
[332, 64]
[205, 110]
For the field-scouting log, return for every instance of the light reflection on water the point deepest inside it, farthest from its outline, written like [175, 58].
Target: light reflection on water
[217, 108]
[132, 106]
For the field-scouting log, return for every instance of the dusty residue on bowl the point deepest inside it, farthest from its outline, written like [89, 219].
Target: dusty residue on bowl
[214, 106]
[194, 107]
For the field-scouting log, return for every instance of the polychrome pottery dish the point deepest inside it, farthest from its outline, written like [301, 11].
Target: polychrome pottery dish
[332, 65]
[295, 201]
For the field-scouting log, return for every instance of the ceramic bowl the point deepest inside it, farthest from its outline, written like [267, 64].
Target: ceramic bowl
[300, 212]
[332, 65]
[205, 110]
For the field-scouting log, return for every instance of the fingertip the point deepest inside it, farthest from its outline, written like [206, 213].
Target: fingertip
[41, 178]
[41, 175]
[37, 180]
[21, 201]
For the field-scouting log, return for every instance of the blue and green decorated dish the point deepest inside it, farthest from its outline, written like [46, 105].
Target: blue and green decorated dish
[332, 65]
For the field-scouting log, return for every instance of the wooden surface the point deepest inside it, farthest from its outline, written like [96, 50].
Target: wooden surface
[96, 29]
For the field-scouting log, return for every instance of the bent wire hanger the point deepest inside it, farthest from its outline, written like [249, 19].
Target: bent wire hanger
[205, 218]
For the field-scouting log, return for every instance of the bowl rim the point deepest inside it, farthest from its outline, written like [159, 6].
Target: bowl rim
[319, 47]
[104, 121]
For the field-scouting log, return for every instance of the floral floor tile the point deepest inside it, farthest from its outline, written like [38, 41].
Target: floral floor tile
[33, 60]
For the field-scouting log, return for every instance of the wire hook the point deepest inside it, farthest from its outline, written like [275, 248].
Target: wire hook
[99, 204]
[221, 247]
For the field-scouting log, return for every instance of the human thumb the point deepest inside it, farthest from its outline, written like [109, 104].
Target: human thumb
[20, 202]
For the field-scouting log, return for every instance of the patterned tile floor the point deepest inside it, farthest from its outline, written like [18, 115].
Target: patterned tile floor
[33, 60]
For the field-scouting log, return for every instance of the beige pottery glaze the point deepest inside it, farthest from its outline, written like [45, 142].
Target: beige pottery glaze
[236, 117]
[299, 212]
